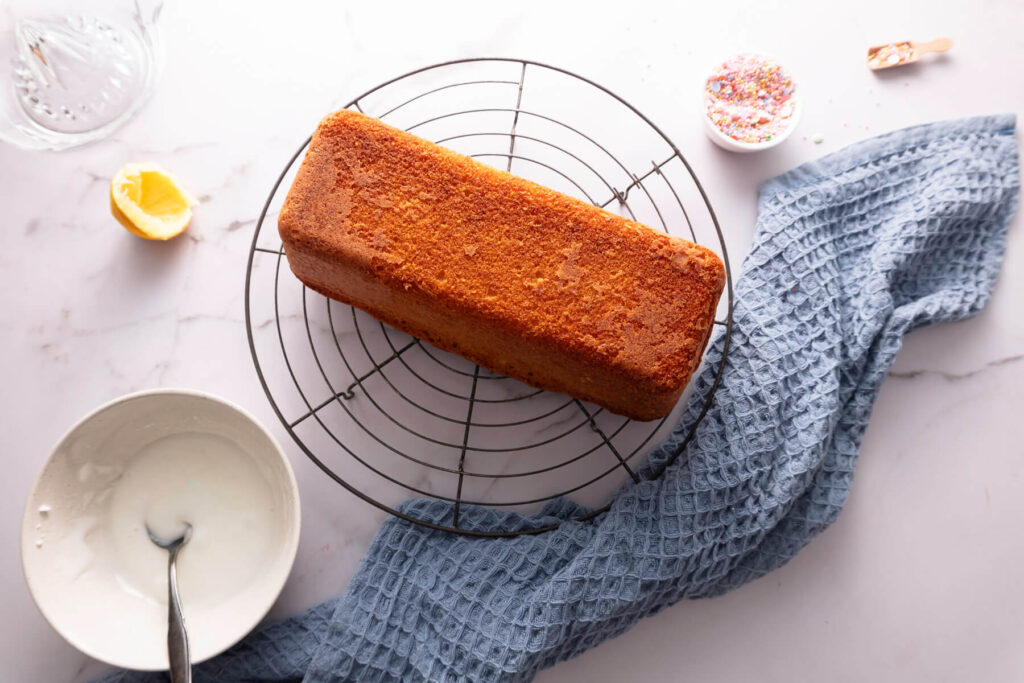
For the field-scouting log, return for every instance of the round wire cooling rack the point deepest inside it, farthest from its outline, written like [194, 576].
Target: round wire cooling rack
[389, 416]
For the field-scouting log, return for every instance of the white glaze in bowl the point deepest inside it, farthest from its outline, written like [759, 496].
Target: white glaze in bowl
[160, 457]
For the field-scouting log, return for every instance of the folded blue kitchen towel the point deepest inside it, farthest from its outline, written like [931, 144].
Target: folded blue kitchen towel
[851, 252]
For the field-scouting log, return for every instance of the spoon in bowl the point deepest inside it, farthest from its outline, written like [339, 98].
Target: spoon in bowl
[177, 639]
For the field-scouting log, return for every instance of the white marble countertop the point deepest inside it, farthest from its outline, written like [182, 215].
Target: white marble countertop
[918, 580]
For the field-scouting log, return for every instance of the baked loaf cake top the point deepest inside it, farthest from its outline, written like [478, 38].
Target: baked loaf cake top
[555, 269]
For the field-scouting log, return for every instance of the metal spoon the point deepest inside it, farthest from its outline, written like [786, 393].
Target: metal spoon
[177, 639]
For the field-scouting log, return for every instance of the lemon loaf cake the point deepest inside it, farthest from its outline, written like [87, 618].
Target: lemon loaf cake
[514, 276]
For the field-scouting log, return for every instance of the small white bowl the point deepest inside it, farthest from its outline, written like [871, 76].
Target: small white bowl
[88, 562]
[733, 145]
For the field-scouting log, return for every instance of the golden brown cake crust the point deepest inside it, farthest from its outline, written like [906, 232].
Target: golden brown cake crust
[512, 275]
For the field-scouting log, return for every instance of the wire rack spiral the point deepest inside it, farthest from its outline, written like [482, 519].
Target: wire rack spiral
[388, 416]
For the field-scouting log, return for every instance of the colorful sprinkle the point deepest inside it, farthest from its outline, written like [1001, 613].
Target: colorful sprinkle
[750, 99]
[891, 55]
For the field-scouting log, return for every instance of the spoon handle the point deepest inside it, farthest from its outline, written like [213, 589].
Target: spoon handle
[177, 640]
[938, 45]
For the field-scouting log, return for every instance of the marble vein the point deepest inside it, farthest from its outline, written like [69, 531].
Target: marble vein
[237, 224]
[957, 377]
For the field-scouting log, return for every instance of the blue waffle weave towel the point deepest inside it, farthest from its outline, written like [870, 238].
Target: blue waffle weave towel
[851, 252]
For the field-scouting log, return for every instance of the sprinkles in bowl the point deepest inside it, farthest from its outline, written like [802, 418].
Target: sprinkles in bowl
[752, 101]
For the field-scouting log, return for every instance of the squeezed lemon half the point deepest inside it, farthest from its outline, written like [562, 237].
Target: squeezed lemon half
[148, 201]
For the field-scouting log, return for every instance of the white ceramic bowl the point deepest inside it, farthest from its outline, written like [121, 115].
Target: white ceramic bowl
[734, 145]
[92, 571]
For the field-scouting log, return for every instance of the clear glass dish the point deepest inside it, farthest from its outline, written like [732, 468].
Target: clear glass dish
[74, 72]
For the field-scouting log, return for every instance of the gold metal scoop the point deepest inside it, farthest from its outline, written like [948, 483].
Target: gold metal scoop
[906, 52]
